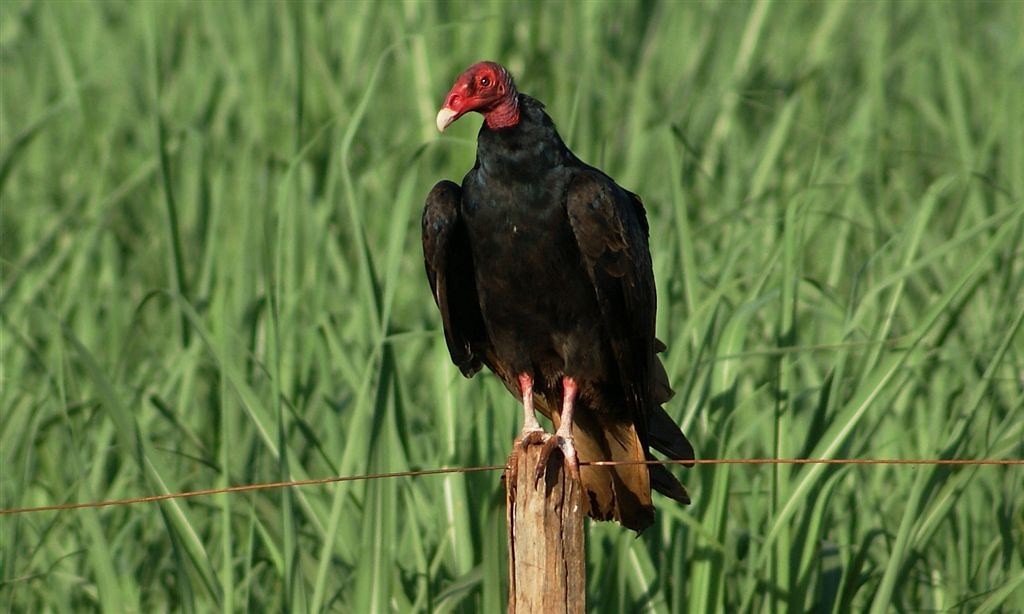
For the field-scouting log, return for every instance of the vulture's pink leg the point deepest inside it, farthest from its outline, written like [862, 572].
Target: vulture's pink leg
[563, 439]
[532, 431]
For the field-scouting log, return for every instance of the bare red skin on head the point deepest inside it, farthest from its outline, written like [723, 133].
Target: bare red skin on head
[488, 89]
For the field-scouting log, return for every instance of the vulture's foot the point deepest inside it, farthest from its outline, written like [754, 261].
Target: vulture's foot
[531, 436]
[565, 444]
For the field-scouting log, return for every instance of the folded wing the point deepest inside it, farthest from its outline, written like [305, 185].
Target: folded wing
[449, 264]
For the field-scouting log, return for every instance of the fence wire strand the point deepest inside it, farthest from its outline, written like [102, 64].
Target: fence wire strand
[63, 507]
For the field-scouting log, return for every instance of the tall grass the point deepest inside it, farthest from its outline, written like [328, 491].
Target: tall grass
[211, 275]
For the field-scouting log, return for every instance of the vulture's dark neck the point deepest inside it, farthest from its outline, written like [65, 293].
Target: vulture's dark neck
[525, 151]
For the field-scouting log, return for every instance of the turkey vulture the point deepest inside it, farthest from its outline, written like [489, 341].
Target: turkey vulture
[540, 267]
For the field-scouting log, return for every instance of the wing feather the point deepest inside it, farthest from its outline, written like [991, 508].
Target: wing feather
[611, 229]
[449, 263]
[613, 243]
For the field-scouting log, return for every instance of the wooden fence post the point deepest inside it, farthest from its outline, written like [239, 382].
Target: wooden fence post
[546, 554]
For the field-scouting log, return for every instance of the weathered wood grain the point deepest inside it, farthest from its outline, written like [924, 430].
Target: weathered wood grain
[545, 536]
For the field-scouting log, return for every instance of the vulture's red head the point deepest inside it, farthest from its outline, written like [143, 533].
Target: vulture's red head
[487, 88]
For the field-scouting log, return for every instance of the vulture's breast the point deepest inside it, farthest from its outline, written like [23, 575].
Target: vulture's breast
[535, 295]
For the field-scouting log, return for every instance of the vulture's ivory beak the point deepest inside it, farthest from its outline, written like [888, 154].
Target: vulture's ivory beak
[445, 117]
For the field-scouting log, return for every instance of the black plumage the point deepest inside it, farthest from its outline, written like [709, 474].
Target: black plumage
[540, 267]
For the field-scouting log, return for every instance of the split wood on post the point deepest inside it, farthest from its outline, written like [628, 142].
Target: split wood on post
[546, 554]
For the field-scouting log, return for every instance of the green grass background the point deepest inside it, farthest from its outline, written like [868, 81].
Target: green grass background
[211, 275]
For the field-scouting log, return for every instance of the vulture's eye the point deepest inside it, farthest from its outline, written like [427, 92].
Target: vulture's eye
[484, 81]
